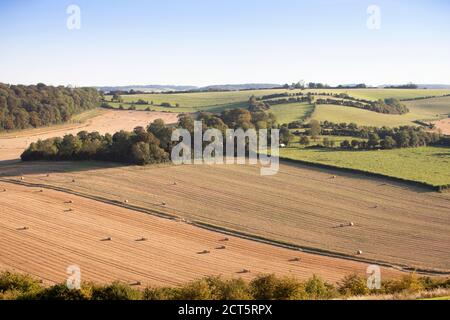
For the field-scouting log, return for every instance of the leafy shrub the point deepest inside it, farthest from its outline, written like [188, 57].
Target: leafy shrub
[409, 283]
[317, 289]
[269, 287]
[115, 291]
[196, 290]
[151, 293]
[60, 292]
[353, 285]
[14, 282]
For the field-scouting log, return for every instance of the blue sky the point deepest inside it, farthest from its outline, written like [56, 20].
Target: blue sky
[201, 42]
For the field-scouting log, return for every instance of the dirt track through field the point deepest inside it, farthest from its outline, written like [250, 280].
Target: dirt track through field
[394, 222]
[109, 121]
[57, 238]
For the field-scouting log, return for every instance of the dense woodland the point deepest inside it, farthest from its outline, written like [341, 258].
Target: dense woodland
[143, 145]
[23, 107]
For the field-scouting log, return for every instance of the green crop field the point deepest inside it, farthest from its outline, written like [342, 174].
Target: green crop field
[196, 101]
[290, 112]
[208, 99]
[425, 164]
[428, 109]
[375, 94]
[338, 114]
[424, 110]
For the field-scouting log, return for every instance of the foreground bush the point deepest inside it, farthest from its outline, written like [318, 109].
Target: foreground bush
[263, 287]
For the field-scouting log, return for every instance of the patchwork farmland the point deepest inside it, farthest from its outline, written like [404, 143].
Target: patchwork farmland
[300, 222]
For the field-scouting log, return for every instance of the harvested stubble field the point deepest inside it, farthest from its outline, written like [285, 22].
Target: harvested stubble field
[394, 222]
[170, 254]
[442, 126]
[104, 121]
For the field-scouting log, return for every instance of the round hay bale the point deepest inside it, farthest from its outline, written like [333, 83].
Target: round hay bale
[351, 224]
[22, 178]
[359, 252]
[73, 180]
[126, 201]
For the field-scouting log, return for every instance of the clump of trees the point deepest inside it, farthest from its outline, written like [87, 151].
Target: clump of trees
[387, 106]
[383, 138]
[23, 107]
[263, 287]
[138, 147]
[144, 145]
[246, 119]
[371, 137]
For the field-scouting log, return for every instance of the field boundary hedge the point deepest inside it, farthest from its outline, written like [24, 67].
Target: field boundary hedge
[438, 188]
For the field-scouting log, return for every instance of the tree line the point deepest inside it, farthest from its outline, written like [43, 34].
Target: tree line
[143, 145]
[23, 107]
[403, 86]
[387, 106]
[14, 286]
[371, 137]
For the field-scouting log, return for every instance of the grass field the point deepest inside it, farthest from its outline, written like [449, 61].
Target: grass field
[430, 108]
[420, 110]
[218, 101]
[426, 164]
[394, 222]
[193, 102]
[338, 114]
[375, 94]
[286, 113]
